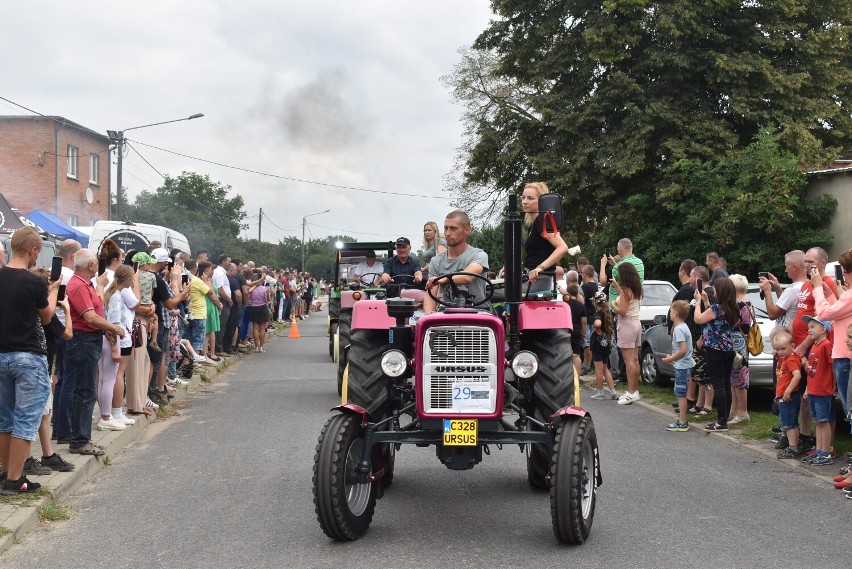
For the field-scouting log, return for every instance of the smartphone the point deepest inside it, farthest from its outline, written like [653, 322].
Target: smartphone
[56, 269]
[61, 294]
[838, 273]
[699, 284]
[184, 279]
[763, 275]
[808, 274]
[101, 266]
[135, 266]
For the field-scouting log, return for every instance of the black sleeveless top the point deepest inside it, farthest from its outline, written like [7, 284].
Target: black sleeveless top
[538, 248]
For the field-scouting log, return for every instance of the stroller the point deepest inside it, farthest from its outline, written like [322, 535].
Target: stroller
[185, 363]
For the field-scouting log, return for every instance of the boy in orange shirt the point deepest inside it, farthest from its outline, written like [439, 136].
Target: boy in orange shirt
[820, 390]
[787, 389]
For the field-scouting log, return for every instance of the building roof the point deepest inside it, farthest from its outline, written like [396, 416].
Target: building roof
[62, 120]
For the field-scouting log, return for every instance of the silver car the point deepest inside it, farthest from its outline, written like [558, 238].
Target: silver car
[657, 344]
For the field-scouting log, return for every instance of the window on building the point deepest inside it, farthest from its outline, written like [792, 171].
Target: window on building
[93, 220]
[72, 154]
[73, 220]
[94, 164]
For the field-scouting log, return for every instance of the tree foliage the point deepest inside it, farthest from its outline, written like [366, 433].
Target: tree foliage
[196, 206]
[604, 100]
[750, 207]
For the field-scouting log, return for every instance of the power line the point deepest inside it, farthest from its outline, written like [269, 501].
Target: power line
[351, 231]
[203, 206]
[273, 223]
[278, 176]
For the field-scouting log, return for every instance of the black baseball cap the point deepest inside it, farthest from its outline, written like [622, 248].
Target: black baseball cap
[403, 241]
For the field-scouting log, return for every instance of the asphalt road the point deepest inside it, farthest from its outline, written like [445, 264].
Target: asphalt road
[228, 484]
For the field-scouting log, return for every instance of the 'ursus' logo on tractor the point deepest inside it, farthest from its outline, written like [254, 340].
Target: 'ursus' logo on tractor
[460, 369]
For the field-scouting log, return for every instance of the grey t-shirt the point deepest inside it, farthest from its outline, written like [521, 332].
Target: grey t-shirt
[442, 265]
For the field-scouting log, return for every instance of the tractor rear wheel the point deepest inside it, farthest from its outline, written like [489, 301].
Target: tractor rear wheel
[553, 389]
[344, 325]
[368, 387]
[572, 480]
[344, 506]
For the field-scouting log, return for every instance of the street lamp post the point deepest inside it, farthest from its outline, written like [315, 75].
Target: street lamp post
[117, 138]
[304, 222]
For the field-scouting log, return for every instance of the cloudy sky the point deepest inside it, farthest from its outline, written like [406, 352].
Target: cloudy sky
[345, 93]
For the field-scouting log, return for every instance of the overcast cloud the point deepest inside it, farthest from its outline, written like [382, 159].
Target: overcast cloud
[347, 93]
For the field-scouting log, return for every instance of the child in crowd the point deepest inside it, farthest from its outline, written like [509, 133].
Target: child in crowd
[601, 346]
[788, 372]
[147, 282]
[682, 361]
[820, 390]
[578, 319]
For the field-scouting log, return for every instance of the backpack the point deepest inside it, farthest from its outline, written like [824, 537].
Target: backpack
[754, 341]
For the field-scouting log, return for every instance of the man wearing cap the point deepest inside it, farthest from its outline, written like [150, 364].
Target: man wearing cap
[402, 265]
[368, 271]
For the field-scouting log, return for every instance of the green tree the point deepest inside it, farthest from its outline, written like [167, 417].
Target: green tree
[196, 206]
[603, 100]
[750, 207]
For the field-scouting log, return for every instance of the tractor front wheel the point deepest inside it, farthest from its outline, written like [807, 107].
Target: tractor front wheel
[343, 505]
[573, 480]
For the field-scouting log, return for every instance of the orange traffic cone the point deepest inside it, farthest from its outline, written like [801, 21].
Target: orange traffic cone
[294, 329]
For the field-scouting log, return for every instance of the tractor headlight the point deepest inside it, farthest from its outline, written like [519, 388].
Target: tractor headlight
[394, 363]
[525, 364]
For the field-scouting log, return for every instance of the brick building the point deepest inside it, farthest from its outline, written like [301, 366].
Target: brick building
[56, 166]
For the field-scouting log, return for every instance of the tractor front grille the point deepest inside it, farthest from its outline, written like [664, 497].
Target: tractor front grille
[459, 370]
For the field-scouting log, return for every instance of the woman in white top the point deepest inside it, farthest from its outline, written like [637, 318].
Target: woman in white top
[433, 245]
[109, 363]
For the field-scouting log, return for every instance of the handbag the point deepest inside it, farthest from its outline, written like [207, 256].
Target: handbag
[136, 333]
[755, 338]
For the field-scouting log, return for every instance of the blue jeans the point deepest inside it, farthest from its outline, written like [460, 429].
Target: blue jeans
[841, 374]
[681, 381]
[788, 413]
[158, 357]
[63, 393]
[24, 389]
[195, 334]
[84, 351]
[245, 324]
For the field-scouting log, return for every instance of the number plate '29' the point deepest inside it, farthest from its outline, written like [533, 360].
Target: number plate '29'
[460, 432]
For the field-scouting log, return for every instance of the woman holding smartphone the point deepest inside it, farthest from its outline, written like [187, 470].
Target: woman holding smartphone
[628, 327]
[720, 320]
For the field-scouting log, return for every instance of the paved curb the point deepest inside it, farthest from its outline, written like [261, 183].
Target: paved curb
[753, 446]
[19, 519]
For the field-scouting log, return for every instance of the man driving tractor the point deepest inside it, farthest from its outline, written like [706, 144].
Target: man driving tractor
[458, 257]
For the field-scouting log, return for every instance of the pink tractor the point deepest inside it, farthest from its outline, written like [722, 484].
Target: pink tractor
[464, 381]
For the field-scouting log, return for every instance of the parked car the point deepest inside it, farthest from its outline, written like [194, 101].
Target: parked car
[657, 343]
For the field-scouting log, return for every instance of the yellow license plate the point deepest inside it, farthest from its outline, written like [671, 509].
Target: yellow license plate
[459, 432]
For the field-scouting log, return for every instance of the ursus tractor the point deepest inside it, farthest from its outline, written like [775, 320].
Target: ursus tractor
[464, 381]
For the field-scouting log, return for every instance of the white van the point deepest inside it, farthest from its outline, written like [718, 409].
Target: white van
[136, 236]
[45, 257]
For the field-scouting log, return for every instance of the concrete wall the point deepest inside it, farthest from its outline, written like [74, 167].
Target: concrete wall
[839, 185]
[28, 159]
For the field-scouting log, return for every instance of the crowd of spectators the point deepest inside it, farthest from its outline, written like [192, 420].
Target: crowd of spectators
[118, 329]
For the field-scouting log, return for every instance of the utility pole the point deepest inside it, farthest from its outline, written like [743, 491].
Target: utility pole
[259, 222]
[304, 223]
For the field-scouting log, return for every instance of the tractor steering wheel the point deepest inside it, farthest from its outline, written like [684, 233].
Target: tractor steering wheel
[489, 289]
[362, 283]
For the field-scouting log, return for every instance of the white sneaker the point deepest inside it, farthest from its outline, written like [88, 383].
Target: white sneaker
[629, 398]
[598, 395]
[179, 381]
[124, 419]
[199, 359]
[110, 425]
[153, 405]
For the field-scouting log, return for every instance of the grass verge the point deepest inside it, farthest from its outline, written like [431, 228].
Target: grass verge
[26, 499]
[762, 418]
[4, 531]
[52, 512]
